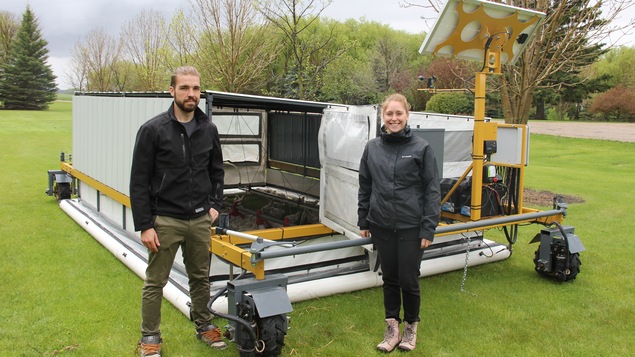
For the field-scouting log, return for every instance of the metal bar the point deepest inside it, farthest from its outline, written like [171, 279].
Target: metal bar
[459, 227]
[247, 236]
[256, 257]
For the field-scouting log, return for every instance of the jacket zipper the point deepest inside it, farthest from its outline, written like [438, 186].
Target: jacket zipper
[394, 187]
[183, 146]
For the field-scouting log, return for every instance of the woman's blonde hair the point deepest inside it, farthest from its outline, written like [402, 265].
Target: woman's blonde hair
[396, 97]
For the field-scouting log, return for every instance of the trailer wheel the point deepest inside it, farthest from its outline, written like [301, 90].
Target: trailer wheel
[245, 345]
[272, 331]
[561, 275]
[62, 191]
[536, 265]
[574, 267]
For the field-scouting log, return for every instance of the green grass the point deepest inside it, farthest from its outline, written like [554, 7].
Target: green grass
[64, 96]
[62, 293]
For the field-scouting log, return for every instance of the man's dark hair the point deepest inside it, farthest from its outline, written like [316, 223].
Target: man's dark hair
[184, 71]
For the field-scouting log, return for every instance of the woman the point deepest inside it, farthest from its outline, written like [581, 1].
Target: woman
[398, 207]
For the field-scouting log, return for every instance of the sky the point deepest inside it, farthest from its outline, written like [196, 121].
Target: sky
[65, 22]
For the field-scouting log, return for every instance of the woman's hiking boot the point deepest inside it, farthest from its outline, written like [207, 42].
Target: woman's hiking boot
[392, 337]
[409, 340]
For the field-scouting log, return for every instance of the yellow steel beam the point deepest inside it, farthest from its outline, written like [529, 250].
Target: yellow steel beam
[226, 246]
[105, 189]
[237, 256]
[282, 233]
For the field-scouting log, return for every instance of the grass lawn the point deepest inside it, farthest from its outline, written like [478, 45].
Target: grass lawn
[62, 293]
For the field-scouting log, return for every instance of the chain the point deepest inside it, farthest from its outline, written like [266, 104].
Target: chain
[467, 257]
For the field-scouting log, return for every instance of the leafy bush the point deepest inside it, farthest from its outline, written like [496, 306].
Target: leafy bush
[451, 103]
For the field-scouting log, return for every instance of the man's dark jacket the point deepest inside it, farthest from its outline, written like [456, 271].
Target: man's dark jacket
[175, 175]
[399, 184]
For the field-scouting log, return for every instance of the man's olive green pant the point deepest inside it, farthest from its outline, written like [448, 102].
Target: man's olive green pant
[193, 237]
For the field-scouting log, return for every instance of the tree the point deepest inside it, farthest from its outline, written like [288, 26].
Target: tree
[561, 49]
[388, 61]
[78, 71]
[617, 103]
[146, 42]
[451, 73]
[308, 52]
[235, 46]
[618, 65]
[9, 26]
[571, 36]
[94, 61]
[180, 39]
[27, 81]
[349, 81]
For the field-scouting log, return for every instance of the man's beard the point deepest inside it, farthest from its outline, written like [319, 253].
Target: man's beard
[182, 106]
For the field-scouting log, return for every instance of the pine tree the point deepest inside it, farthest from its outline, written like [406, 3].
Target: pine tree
[26, 80]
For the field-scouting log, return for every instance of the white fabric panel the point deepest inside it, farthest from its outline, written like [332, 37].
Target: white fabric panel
[343, 135]
[241, 152]
[237, 124]
[338, 198]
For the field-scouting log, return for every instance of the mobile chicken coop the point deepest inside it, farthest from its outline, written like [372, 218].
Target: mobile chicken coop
[288, 231]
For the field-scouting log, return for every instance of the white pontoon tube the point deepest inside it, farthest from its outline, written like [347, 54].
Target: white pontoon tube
[122, 245]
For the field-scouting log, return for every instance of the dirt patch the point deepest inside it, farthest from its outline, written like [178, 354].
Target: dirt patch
[545, 198]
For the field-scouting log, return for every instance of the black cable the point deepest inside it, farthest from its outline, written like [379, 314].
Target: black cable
[237, 319]
[511, 233]
[566, 243]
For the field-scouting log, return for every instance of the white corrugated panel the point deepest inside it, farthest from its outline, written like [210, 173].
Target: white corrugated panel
[104, 131]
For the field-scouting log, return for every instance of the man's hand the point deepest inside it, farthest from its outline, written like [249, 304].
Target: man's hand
[425, 243]
[150, 239]
[213, 214]
[365, 233]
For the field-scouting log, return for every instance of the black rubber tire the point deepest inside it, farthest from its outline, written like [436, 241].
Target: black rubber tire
[272, 330]
[574, 266]
[62, 191]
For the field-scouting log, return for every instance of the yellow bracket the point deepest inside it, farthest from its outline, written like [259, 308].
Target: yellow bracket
[505, 28]
[237, 256]
[226, 246]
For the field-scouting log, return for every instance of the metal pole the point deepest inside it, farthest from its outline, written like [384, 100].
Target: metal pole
[258, 256]
[487, 222]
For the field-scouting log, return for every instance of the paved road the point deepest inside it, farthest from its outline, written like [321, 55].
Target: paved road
[607, 131]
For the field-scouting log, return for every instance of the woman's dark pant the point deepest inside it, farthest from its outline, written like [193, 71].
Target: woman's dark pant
[400, 255]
